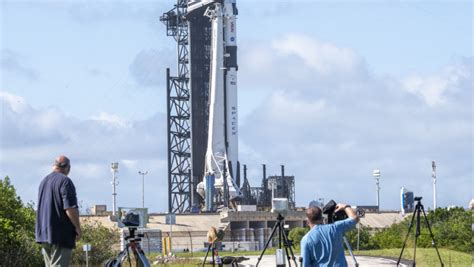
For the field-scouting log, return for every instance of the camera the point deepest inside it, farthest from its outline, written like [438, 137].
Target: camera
[280, 205]
[132, 217]
[418, 198]
[330, 208]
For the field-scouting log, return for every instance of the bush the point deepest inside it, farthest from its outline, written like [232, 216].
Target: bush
[451, 229]
[17, 229]
[296, 234]
[101, 240]
[365, 238]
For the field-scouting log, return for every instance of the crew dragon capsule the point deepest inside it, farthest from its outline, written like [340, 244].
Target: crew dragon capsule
[222, 146]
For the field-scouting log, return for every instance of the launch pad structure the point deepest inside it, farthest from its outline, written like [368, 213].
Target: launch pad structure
[191, 116]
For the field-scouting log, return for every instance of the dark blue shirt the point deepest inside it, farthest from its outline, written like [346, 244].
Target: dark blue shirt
[56, 194]
[322, 246]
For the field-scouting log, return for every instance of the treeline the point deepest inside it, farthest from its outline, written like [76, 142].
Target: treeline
[17, 234]
[451, 229]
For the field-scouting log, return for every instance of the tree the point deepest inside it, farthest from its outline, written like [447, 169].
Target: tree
[17, 229]
[296, 234]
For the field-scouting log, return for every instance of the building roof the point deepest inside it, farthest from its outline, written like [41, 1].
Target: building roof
[381, 220]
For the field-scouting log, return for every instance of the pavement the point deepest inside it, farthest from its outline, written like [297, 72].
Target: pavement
[270, 261]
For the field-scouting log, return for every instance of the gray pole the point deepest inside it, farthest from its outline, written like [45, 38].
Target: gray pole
[358, 235]
[433, 165]
[376, 174]
[114, 169]
[143, 186]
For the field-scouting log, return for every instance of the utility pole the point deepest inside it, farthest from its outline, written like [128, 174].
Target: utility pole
[114, 169]
[433, 174]
[143, 186]
[376, 174]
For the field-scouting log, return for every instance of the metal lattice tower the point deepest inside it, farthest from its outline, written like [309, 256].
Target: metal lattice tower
[178, 113]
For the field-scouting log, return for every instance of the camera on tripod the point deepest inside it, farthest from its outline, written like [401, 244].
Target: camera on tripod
[132, 217]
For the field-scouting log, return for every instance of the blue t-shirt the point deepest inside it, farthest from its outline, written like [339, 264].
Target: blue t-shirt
[56, 194]
[323, 244]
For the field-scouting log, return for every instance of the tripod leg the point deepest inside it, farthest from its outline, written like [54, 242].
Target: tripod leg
[432, 236]
[268, 242]
[414, 251]
[406, 237]
[128, 256]
[288, 246]
[348, 245]
[207, 253]
[140, 258]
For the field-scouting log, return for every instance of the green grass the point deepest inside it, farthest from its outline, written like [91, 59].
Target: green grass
[424, 256]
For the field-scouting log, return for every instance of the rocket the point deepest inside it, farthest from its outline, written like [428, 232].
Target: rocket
[222, 147]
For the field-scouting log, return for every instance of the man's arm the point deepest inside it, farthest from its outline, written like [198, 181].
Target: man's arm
[73, 214]
[348, 210]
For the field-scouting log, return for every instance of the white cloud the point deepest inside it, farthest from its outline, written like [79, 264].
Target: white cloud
[301, 62]
[433, 89]
[332, 130]
[111, 119]
[16, 103]
[35, 136]
[323, 58]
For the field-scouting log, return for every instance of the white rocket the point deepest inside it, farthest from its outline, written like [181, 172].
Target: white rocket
[222, 147]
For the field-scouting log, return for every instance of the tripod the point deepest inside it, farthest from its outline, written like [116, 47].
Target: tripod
[350, 251]
[282, 238]
[416, 213]
[211, 248]
[134, 245]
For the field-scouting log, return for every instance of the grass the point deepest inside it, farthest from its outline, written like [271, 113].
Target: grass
[424, 256]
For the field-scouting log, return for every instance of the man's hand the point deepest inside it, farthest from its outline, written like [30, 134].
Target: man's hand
[73, 214]
[78, 233]
[348, 210]
[340, 206]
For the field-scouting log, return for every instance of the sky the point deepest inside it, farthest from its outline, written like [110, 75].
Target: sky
[330, 89]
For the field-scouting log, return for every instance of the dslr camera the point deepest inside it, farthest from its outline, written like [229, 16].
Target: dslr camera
[330, 208]
[332, 216]
[132, 217]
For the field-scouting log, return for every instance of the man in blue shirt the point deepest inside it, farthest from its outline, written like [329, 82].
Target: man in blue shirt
[57, 217]
[323, 244]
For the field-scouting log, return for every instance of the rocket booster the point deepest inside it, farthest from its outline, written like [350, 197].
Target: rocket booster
[222, 147]
[230, 64]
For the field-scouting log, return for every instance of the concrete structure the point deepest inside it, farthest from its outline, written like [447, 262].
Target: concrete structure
[99, 210]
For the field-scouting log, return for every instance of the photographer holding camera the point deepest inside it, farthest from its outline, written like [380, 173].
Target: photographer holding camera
[323, 244]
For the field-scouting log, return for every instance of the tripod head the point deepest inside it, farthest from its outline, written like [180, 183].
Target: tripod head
[280, 217]
[131, 237]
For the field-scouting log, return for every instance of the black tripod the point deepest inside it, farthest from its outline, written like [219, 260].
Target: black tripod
[418, 209]
[212, 248]
[282, 238]
[134, 245]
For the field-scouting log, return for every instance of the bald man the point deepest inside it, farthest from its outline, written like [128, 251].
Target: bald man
[57, 216]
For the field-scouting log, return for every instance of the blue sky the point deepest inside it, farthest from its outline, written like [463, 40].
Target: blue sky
[331, 89]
